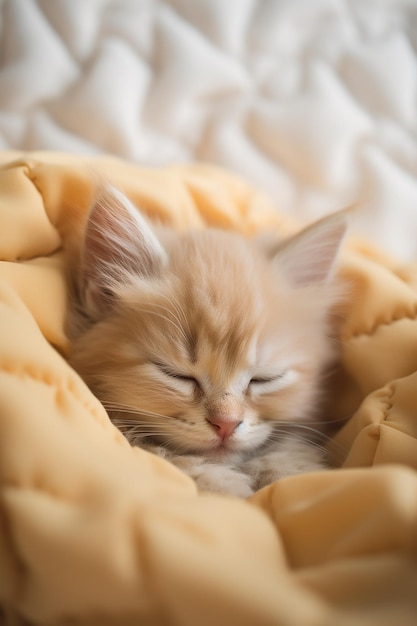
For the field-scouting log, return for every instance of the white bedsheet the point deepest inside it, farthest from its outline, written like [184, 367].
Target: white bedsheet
[315, 101]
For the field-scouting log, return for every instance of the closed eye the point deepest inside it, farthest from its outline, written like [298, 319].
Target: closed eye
[273, 383]
[183, 377]
[262, 380]
[168, 371]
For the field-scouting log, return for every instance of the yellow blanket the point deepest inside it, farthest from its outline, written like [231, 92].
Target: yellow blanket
[95, 532]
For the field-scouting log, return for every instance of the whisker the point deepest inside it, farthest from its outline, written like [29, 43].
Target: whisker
[307, 427]
[134, 410]
[322, 436]
[145, 428]
[313, 444]
[341, 420]
[337, 447]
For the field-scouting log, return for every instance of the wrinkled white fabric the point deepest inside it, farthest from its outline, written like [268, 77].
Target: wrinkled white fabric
[314, 101]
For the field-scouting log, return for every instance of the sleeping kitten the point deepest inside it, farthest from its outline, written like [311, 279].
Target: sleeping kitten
[205, 347]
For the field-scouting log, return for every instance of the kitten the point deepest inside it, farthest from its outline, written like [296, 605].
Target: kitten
[205, 347]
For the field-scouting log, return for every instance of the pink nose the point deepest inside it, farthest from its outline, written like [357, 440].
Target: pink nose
[223, 428]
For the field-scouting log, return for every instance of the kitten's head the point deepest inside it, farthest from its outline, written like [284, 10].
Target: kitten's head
[202, 340]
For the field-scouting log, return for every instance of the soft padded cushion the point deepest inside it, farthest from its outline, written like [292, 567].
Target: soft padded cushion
[96, 532]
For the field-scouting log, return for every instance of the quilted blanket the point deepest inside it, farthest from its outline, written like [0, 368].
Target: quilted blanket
[95, 532]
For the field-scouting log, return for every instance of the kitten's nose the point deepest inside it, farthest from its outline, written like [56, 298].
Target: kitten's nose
[222, 427]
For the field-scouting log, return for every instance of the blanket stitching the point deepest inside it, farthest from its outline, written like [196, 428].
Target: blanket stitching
[389, 402]
[374, 329]
[60, 385]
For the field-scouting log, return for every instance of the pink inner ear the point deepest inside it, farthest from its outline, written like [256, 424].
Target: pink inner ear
[118, 244]
[309, 257]
[97, 247]
[103, 246]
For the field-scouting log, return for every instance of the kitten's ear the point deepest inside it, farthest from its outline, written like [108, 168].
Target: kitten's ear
[118, 243]
[308, 257]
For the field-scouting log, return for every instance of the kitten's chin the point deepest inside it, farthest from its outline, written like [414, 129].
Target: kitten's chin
[229, 451]
[223, 454]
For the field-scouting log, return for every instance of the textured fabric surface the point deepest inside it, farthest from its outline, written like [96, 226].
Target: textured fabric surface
[95, 532]
[312, 101]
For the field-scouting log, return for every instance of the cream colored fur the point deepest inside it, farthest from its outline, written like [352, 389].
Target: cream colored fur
[182, 334]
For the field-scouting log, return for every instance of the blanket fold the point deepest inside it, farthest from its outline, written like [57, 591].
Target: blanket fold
[93, 531]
